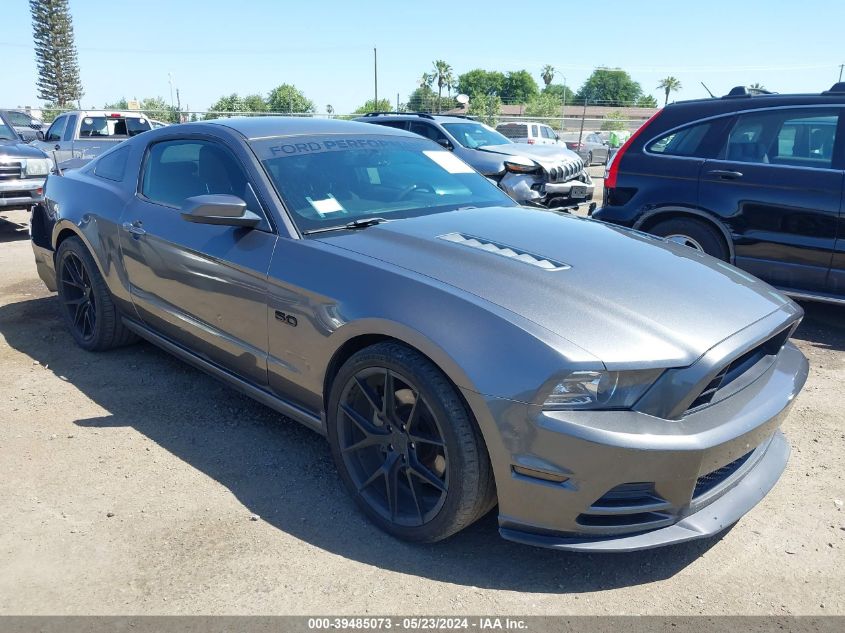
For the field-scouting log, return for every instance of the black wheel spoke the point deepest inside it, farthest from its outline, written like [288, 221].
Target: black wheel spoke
[369, 394]
[391, 480]
[366, 427]
[389, 399]
[416, 499]
[413, 414]
[424, 474]
[367, 442]
[79, 313]
[379, 472]
[423, 439]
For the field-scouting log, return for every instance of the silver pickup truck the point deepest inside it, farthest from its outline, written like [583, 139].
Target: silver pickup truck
[88, 133]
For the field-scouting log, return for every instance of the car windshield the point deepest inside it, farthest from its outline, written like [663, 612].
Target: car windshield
[99, 126]
[474, 135]
[329, 180]
[6, 133]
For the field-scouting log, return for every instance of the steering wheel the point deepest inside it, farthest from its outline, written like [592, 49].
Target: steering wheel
[417, 186]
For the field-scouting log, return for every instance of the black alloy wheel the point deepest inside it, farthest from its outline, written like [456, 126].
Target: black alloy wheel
[77, 297]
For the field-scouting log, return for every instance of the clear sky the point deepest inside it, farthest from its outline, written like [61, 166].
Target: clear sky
[215, 47]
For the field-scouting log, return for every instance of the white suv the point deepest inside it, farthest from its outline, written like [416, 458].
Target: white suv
[528, 132]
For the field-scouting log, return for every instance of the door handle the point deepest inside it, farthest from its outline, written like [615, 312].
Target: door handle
[725, 174]
[57, 146]
[134, 228]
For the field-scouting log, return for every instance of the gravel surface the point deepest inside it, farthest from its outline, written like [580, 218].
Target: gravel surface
[131, 483]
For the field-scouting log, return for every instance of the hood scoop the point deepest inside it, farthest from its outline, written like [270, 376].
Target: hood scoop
[503, 250]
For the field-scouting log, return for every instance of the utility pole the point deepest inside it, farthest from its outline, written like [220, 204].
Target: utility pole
[841, 66]
[397, 102]
[170, 81]
[583, 116]
[375, 76]
[563, 109]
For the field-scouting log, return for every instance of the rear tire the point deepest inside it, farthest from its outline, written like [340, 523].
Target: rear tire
[417, 467]
[693, 233]
[86, 303]
[589, 159]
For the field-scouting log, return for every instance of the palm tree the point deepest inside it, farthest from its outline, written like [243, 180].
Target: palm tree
[443, 76]
[330, 110]
[425, 80]
[670, 84]
[548, 74]
[757, 86]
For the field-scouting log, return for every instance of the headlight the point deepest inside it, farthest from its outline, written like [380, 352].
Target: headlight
[520, 165]
[601, 389]
[38, 166]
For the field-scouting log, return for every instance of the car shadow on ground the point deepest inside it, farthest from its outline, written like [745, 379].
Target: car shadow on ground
[12, 231]
[823, 325]
[283, 472]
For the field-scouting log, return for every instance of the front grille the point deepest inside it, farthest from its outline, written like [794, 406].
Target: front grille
[711, 480]
[10, 171]
[736, 368]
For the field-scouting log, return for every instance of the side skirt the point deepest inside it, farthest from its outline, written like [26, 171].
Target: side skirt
[266, 398]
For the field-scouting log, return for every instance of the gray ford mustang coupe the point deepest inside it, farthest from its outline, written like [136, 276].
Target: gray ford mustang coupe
[608, 390]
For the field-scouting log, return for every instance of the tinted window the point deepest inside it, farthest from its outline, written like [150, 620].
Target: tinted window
[70, 127]
[513, 130]
[685, 142]
[7, 133]
[799, 138]
[56, 130]
[100, 126]
[176, 170]
[399, 125]
[327, 181]
[20, 119]
[473, 135]
[534, 131]
[427, 130]
[113, 165]
[547, 132]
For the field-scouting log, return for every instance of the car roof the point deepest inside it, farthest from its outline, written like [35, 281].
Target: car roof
[273, 126]
[123, 113]
[372, 117]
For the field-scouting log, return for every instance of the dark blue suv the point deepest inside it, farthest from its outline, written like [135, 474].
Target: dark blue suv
[753, 178]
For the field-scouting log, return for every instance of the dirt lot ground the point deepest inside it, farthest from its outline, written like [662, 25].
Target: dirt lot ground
[128, 481]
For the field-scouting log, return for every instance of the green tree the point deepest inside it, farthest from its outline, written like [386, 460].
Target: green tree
[330, 110]
[486, 108]
[481, 82]
[646, 101]
[545, 107]
[519, 87]
[668, 85]
[756, 86]
[383, 105]
[55, 52]
[154, 107]
[614, 121]
[548, 74]
[423, 99]
[558, 90]
[609, 86]
[254, 103]
[444, 78]
[227, 104]
[286, 98]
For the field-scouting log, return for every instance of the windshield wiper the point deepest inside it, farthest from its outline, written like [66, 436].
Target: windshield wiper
[362, 223]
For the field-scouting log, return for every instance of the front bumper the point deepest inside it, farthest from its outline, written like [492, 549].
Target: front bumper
[21, 193]
[633, 481]
[533, 189]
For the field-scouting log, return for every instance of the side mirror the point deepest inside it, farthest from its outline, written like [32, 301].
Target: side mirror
[445, 143]
[39, 135]
[220, 209]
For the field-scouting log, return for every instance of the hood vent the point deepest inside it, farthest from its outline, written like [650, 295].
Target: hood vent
[504, 251]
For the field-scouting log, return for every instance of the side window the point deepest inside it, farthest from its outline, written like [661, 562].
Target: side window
[177, 170]
[798, 138]
[399, 125]
[18, 119]
[426, 130]
[684, 142]
[534, 133]
[56, 129]
[547, 133]
[70, 128]
[113, 165]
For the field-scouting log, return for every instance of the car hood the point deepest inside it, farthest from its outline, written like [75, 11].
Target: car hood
[543, 154]
[15, 149]
[627, 298]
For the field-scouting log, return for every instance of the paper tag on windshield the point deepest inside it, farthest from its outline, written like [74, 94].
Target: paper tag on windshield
[329, 205]
[449, 162]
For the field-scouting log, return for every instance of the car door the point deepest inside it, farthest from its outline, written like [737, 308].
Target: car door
[777, 188]
[54, 144]
[429, 131]
[836, 276]
[201, 286]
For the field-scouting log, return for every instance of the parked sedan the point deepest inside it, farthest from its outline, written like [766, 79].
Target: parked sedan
[608, 390]
[592, 148]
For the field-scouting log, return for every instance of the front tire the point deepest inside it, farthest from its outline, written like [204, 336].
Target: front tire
[86, 304]
[693, 233]
[414, 461]
[589, 159]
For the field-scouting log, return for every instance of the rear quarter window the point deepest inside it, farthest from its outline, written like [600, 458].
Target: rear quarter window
[112, 166]
[688, 141]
